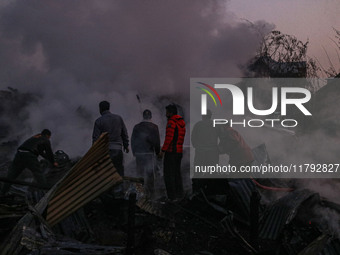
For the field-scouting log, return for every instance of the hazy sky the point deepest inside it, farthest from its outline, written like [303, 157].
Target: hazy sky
[74, 54]
[305, 19]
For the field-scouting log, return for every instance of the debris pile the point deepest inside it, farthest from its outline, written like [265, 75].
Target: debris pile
[82, 214]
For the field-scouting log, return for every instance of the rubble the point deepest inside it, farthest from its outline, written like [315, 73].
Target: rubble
[91, 176]
[244, 217]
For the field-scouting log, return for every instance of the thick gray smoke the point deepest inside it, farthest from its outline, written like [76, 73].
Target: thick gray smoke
[74, 54]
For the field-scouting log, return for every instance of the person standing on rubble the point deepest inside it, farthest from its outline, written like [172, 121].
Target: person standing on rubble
[240, 154]
[172, 150]
[233, 144]
[204, 138]
[114, 125]
[145, 144]
[27, 157]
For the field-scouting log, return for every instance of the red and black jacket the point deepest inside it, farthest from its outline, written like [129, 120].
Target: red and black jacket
[174, 136]
[232, 143]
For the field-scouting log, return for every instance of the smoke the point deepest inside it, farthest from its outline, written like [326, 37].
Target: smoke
[73, 54]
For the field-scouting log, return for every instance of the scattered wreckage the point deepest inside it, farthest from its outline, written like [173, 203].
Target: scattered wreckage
[82, 214]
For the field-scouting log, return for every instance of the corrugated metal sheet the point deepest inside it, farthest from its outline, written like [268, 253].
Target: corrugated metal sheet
[315, 247]
[38, 244]
[323, 245]
[156, 208]
[90, 177]
[74, 226]
[153, 207]
[240, 192]
[281, 212]
[332, 248]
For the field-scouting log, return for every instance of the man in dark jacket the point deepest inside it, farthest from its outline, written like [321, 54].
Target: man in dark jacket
[118, 136]
[204, 138]
[27, 157]
[172, 150]
[145, 144]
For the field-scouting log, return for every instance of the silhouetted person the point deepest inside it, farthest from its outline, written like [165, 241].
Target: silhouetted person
[27, 157]
[145, 145]
[204, 138]
[232, 143]
[173, 150]
[114, 125]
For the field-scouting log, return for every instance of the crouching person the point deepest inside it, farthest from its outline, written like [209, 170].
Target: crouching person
[27, 157]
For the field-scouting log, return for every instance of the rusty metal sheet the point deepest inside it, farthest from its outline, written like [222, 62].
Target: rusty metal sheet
[281, 212]
[91, 176]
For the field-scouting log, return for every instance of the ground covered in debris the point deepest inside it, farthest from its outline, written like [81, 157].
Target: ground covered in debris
[174, 230]
[199, 224]
[236, 216]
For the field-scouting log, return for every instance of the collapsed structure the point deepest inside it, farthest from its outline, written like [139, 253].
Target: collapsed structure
[91, 176]
[248, 217]
[262, 216]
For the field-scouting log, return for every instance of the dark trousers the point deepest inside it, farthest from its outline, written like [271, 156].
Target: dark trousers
[172, 175]
[207, 157]
[146, 167]
[117, 160]
[21, 161]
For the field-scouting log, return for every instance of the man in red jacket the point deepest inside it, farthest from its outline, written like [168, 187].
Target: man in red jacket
[173, 150]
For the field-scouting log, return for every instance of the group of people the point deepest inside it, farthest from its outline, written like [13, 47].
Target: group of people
[209, 142]
[145, 143]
